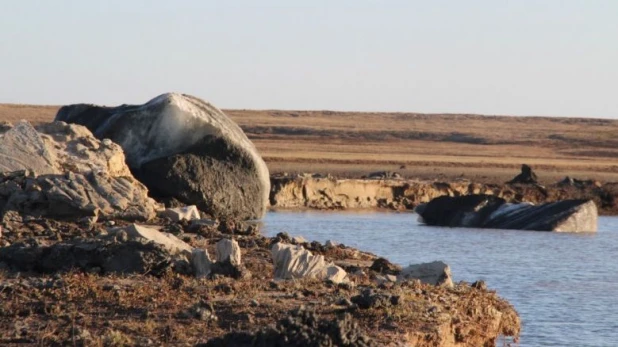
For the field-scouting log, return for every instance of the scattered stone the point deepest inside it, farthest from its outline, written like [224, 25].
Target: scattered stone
[181, 213]
[369, 298]
[382, 175]
[203, 312]
[184, 148]
[201, 262]
[296, 262]
[298, 240]
[436, 273]
[330, 243]
[168, 241]
[574, 182]
[527, 176]
[479, 285]
[228, 251]
[383, 266]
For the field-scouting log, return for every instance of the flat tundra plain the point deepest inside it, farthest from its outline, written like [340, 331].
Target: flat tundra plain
[485, 149]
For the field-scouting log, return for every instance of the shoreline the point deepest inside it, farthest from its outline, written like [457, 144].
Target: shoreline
[176, 308]
[330, 193]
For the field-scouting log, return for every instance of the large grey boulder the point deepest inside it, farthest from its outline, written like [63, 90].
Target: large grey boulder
[488, 211]
[60, 170]
[296, 262]
[183, 148]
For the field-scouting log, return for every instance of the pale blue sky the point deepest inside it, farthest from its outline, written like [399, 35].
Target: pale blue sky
[544, 57]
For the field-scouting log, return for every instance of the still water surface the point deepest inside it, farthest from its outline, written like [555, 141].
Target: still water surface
[564, 285]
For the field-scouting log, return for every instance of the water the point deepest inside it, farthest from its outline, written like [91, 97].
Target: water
[564, 285]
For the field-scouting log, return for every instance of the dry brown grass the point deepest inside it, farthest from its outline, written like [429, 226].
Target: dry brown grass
[483, 148]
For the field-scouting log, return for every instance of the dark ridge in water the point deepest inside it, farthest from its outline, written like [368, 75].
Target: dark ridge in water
[564, 285]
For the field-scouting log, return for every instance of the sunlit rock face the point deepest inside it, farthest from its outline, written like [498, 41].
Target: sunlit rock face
[59, 170]
[488, 211]
[183, 148]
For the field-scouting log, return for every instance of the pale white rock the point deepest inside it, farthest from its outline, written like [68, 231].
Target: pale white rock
[436, 273]
[293, 261]
[228, 250]
[170, 242]
[181, 213]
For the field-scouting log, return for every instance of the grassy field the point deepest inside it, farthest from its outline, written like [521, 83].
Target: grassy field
[488, 149]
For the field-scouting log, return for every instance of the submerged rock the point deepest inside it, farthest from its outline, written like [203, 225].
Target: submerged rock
[64, 172]
[488, 211]
[184, 148]
[296, 262]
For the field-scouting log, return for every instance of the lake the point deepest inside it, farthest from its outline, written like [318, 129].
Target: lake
[564, 285]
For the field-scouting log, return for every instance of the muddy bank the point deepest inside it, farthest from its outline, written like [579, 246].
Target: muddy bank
[88, 303]
[328, 193]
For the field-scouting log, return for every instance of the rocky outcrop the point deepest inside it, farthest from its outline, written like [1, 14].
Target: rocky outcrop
[487, 211]
[332, 194]
[436, 273]
[296, 262]
[64, 172]
[185, 149]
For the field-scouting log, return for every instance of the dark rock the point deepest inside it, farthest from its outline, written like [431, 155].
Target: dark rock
[479, 285]
[110, 257]
[527, 176]
[368, 298]
[385, 267]
[384, 175]
[488, 211]
[183, 148]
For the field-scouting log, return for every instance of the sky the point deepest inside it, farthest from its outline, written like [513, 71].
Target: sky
[507, 57]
